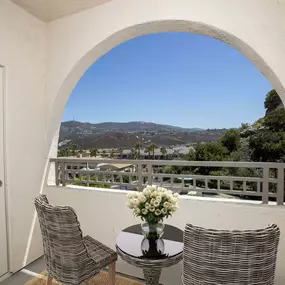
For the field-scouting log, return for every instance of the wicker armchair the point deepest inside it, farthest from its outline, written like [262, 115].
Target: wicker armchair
[214, 257]
[70, 258]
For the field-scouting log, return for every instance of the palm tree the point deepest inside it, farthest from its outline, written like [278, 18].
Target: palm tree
[148, 150]
[138, 148]
[163, 151]
[133, 153]
[93, 151]
[152, 148]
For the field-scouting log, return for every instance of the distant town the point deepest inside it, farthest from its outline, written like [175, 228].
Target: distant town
[140, 140]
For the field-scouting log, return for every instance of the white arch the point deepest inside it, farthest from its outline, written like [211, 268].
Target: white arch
[149, 28]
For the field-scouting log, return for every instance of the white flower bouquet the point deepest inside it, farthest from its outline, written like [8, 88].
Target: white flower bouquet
[153, 204]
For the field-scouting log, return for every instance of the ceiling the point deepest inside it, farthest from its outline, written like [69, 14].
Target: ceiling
[49, 10]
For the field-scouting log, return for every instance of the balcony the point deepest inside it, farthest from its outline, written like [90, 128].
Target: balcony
[42, 57]
[253, 202]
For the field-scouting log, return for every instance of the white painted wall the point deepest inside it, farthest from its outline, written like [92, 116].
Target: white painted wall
[103, 214]
[23, 52]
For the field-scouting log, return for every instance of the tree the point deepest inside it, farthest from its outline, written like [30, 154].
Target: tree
[148, 150]
[244, 126]
[268, 142]
[191, 155]
[63, 152]
[163, 151]
[210, 151]
[152, 148]
[231, 140]
[73, 149]
[133, 153]
[272, 101]
[121, 152]
[93, 151]
[138, 148]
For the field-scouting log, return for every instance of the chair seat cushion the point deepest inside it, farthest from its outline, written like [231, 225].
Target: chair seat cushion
[102, 254]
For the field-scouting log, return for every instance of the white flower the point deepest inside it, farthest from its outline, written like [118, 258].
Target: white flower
[164, 211]
[173, 200]
[157, 212]
[146, 192]
[166, 205]
[158, 198]
[152, 209]
[144, 211]
[152, 201]
[137, 211]
[147, 205]
[136, 202]
[129, 205]
[142, 198]
[171, 208]
[156, 203]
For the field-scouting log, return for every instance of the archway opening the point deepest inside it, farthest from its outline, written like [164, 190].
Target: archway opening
[61, 98]
[218, 73]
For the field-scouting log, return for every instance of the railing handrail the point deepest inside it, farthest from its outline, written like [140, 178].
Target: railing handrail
[64, 174]
[173, 162]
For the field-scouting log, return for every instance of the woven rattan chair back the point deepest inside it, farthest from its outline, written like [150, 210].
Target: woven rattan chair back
[65, 254]
[213, 257]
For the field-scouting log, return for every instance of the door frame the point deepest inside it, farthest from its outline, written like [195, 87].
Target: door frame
[5, 185]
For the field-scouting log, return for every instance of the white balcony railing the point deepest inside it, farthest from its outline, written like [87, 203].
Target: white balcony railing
[266, 182]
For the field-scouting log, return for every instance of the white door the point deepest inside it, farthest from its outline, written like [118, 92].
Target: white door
[3, 230]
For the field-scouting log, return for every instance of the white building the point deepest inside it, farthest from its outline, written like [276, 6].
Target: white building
[46, 46]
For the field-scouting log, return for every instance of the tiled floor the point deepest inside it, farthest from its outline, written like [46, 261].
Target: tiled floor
[38, 266]
[23, 276]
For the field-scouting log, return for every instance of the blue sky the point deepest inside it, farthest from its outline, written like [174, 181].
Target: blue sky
[170, 78]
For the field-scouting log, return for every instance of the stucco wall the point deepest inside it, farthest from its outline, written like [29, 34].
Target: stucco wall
[23, 53]
[103, 214]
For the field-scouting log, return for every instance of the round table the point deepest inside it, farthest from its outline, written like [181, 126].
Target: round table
[133, 248]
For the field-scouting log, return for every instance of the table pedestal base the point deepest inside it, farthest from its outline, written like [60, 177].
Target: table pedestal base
[151, 276]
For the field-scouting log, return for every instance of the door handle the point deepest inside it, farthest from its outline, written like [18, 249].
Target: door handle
[1, 183]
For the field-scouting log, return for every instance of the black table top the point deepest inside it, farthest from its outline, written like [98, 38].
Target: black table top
[132, 242]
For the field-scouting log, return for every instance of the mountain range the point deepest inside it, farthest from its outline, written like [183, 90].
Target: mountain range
[125, 135]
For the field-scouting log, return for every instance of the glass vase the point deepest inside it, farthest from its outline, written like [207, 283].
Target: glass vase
[152, 231]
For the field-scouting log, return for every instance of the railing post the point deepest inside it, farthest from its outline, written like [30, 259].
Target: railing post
[140, 182]
[56, 173]
[280, 186]
[265, 185]
[63, 174]
[149, 173]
